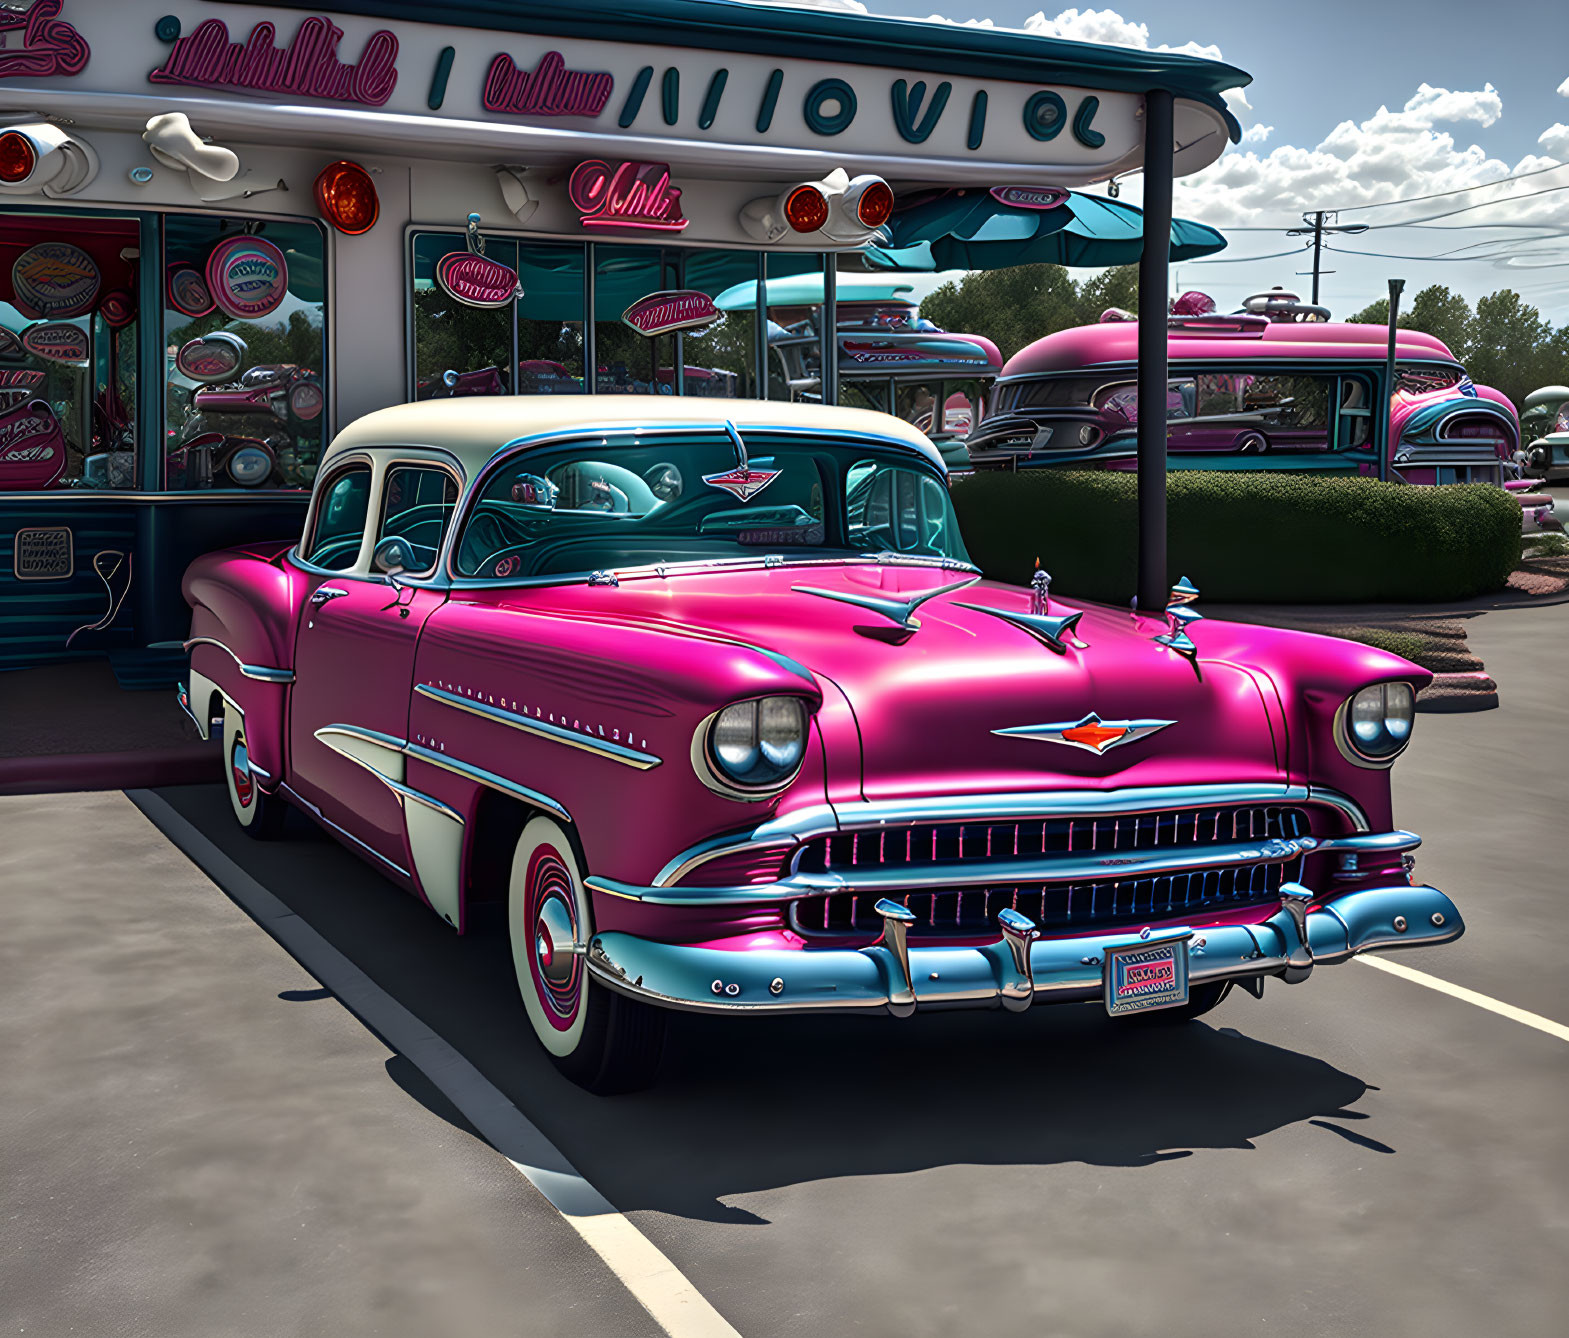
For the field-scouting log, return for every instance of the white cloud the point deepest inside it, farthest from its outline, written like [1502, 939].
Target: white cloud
[1389, 156]
[1257, 134]
[1563, 89]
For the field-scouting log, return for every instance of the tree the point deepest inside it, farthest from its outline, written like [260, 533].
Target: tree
[1504, 343]
[1016, 306]
[1512, 346]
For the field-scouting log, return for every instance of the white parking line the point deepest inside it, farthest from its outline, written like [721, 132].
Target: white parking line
[658, 1285]
[1470, 996]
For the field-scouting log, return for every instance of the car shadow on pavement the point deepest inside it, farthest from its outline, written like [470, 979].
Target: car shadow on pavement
[757, 1103]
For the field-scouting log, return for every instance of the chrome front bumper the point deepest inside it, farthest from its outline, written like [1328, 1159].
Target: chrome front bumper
[1018, 968]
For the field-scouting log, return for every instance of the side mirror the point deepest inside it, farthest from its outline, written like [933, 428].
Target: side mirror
[392, 556]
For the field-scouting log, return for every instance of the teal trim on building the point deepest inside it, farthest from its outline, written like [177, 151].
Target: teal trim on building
[809, 34]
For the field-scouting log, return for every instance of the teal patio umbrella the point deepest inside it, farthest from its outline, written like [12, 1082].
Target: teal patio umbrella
[973, 229]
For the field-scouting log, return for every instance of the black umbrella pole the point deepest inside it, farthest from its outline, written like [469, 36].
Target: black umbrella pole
[1153, 267]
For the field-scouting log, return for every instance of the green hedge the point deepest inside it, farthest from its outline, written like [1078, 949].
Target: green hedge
[1246, 537]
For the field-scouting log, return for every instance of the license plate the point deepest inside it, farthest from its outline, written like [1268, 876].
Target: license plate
[1144, 976]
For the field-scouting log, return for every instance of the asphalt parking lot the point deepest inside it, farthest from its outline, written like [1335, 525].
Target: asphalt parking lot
[198, 1136]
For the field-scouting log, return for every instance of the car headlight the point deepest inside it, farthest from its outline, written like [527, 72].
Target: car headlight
[1375, 723]
[758, 744]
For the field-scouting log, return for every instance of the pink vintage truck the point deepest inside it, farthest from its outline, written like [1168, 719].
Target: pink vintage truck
[710, 695]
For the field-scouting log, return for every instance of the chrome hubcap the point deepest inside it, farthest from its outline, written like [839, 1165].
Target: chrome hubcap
[240, 770]
[554, 941]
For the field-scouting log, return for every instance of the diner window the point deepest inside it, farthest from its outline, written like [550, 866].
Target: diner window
[68, 351]
[631, 363]
[550, 320]
[459, 349]
[416, 507]
[341, 511]
[244, 321]
[721, 359]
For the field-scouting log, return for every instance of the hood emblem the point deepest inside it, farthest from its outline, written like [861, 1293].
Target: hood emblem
[1091, 733]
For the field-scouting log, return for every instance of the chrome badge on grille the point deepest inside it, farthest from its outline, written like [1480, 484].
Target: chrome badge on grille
[1092, 733]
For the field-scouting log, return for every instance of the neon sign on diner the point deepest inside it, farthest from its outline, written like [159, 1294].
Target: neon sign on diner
[307, 67]
[549, 89]
[629, 195]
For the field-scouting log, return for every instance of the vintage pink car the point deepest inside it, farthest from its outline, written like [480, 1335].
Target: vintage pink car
[710, 695]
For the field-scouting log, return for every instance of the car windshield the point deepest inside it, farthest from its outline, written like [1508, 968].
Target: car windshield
[640, 499]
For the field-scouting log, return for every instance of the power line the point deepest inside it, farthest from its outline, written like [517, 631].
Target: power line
[1242, 260]
[1438, 195]
[1433, 260]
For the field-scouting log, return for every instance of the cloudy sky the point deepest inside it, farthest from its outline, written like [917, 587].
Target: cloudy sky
[1363, 102]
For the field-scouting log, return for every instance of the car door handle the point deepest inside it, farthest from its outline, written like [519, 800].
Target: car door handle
[322, 593]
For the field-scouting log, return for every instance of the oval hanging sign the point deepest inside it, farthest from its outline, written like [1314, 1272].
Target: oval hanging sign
[1030, 197]
[187, 291]
[247, 277]
[306, 400]
[32, 449]
[213, 357]
[57, 341]
[55, 279]
[665, 313]
[476, 280]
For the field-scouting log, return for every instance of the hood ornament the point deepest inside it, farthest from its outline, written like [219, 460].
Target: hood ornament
[898, 611]
[1179, 614]
[1048, 630]
[1040, 591]
[1092, 734]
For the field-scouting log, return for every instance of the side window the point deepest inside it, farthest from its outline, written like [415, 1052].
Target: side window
[896, 510]
[341, 511]
[416, 506]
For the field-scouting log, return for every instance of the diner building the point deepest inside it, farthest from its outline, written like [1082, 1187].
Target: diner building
[227, 230]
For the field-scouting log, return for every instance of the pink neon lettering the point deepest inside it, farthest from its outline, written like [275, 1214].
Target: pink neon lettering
[634, 195]
[49, 45]
[309, 66]
[550, 89]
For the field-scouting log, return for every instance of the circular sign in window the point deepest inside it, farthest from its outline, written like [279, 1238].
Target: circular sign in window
[55, 279]
[211, 357]
[187, 290]
[306, 400]
[247, 277]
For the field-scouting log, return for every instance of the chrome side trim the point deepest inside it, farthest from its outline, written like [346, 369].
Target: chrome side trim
[1060, 969]
[821, 819]
[616, 752]
[487, 778]
[257, 671]
[296, 798]
[328, 733]
[1354, 812]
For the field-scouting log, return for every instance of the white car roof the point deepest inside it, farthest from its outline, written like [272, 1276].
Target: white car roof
[474, 428]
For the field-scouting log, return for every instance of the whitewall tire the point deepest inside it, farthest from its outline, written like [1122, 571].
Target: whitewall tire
[259, 813]
[601, 1040]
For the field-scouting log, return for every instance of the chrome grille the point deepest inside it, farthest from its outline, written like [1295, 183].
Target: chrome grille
[1057, 908]
[927, 844]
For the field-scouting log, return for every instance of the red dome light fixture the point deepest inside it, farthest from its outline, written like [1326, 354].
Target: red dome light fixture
[346, 198]
[18, 157]
[806, 208]
[875, 205]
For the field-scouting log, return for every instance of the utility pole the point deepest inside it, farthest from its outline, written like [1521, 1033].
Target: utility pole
[1318, 228]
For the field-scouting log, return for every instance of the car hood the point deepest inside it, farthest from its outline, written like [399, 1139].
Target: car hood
[925, 706]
